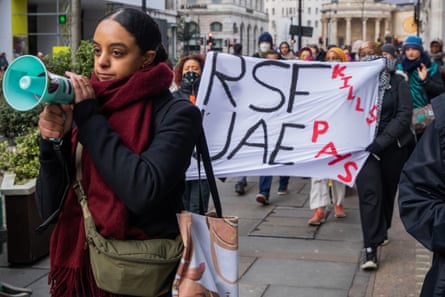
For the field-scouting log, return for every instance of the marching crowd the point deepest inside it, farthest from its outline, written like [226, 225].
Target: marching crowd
[412, 77]
[405, 157]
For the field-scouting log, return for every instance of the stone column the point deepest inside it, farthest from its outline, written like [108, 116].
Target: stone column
[334, 31]
[324, 29]
[377, 29]
[348, 31]
[364, 22]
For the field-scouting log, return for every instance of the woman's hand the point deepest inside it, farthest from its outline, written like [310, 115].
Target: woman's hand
[82, 87]
[55, 120]
[422, 71]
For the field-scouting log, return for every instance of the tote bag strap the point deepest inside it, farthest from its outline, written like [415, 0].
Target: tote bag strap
[202, 152]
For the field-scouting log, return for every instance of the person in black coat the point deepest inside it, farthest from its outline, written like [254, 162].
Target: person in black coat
[133, 162]
[378, 179]
[421, 198]
[187, 77]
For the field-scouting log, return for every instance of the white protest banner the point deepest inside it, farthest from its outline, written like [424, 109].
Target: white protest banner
[281, 117]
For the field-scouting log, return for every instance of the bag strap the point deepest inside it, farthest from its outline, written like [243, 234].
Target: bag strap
[77, 186]
[202, 151]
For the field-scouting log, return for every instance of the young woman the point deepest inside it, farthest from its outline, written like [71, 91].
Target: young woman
[133, 174]
[378, 180]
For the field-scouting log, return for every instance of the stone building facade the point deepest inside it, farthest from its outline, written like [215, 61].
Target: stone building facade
[346, 21]
[228, 22]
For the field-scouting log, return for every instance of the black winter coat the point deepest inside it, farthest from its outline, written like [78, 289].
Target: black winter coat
[422, 198]
[396, 114]
[161, 169]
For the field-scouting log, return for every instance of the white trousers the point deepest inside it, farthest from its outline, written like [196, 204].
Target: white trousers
[319, 196]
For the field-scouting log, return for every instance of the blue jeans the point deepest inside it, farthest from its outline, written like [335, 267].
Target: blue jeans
[266, 182]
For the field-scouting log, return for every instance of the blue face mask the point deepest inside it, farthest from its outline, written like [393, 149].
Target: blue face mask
[190, 77]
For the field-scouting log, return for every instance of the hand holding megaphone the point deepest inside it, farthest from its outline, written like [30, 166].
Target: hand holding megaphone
[56, 120]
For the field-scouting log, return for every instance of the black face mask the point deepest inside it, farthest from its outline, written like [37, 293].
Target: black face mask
[190, 77]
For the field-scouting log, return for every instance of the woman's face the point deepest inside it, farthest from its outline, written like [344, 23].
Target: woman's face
[116, 54]
[412, 54]
[284, 48]
[191, 65]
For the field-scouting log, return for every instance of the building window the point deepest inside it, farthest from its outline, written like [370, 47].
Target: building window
[273, 11]
[316, 24]
[216, 27]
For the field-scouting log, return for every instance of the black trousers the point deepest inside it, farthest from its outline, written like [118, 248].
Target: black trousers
[377, 184]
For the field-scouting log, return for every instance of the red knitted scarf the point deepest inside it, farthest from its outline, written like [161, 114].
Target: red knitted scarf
[126, 104]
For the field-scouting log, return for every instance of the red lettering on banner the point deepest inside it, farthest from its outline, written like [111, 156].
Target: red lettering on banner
[348, 177]
[372, 115]
[338, 71]
[328, 149]
[345, 82]
[350, 96]
[339, 158]
[358, 105]
[320, 127]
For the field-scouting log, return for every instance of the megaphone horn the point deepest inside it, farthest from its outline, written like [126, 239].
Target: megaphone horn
[27, 83]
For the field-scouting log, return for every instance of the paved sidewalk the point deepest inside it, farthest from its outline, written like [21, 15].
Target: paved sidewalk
[280, 255]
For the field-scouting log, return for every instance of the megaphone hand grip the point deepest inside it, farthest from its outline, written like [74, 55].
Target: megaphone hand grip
[55, 121]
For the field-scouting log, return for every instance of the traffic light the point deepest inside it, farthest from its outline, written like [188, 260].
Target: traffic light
[210, 39]
[62, 19]
[230, 43]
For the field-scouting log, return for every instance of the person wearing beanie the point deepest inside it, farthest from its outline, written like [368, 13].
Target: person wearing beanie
[424, 76]
[389, 49]
[265, 43]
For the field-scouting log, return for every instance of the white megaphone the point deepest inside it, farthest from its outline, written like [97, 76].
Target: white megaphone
[27, 83]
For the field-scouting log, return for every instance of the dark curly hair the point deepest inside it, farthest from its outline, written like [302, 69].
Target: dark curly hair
[179, 67]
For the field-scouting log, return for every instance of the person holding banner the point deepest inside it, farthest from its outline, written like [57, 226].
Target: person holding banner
[132, 166]
[322, 190]
[265, 182]
[377, 181]
[187, 77]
